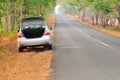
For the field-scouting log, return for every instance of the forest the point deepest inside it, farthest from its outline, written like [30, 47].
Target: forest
[104, 13]
[12, 11]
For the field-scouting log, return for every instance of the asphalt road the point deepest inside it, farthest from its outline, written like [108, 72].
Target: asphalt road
[84, 53]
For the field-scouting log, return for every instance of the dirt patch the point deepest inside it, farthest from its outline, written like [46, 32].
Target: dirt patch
[33, 64]
[114, 33]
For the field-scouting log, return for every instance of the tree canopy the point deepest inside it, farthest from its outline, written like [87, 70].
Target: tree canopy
[104, 9]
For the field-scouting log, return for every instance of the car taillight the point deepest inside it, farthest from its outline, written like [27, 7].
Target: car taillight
[46, 33]
[20, 35]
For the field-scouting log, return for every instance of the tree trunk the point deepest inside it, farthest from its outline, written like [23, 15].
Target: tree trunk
[83, 15]
[0, 21]
[105, 21]
[118, 9]
[93, 20]
[119, 21]
[41, 9]
[119, 18]
[21, 12]
[25, 8]
[7, 16]
[12, 17]
[97, 16]
[7, 22]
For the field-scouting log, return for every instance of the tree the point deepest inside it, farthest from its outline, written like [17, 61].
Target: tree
[12, 11]
[100, 11]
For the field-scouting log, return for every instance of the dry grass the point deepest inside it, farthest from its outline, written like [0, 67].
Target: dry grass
[30, 65]
[111, 32]
[26, 66]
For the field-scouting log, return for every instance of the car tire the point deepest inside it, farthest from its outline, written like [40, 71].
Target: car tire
[50, 47]
[21, 49]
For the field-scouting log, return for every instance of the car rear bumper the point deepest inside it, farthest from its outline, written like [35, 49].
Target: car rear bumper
[45, 40]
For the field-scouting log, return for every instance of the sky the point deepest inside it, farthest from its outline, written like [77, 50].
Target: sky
[57, 8]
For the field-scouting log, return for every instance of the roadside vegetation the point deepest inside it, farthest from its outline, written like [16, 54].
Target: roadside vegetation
[12, 11]
[102, 14]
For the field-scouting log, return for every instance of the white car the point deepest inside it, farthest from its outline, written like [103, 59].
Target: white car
[34, 32]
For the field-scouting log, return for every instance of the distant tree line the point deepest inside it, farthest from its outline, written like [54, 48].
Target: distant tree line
[12, 11]
[98, 12]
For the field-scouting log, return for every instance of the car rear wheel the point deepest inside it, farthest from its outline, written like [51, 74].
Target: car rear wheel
[21, 49]
[49, 47]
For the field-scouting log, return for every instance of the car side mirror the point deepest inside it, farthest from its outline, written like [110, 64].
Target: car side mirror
[51, 28]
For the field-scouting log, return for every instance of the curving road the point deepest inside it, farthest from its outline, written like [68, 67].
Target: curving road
[84, 53]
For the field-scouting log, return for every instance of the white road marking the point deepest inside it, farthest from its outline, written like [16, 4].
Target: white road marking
[70, 47]
[105, 44]
[88, 35]
[80, 30]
